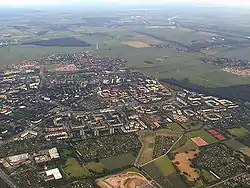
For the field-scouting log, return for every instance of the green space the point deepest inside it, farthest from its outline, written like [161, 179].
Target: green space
[238, 132]
[184, 145]
[67, 152]
[204, 135]
[208, 177]
[165, 166]
[119, 161]
[234, 144]
[164, 173]
[175, 127]
[95, 167]
[74, 169]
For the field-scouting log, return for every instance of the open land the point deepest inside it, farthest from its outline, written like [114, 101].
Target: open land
[238, 132]
[183, 161]
[129, 179]
[74, 169]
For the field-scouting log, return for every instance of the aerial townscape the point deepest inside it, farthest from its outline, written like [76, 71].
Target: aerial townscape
[137, 99]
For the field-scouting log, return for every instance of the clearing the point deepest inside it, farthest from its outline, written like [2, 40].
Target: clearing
[123, 180]
[182, 161]
[118, 161]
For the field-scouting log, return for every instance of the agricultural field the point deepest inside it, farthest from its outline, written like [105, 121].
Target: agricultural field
[182, 35]
[134, 48]
[165, 165]
[136, 44]
[207, 137]
[238, 132]
[164, 173]
[234, 144]
[75, 170]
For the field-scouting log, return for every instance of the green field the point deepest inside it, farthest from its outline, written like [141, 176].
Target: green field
[238, 132]
[67, 152]
[184, 145]
[165, 166]
[119, 161]
[94, 166]
[74, 169]
[175, 127]
[204, 135]
[163, 172]
[208, 177]
[234, 144]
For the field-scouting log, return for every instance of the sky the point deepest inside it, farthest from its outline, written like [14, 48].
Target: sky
[45, 2]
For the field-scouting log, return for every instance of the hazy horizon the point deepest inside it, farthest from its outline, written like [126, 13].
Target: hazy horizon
[61, 2]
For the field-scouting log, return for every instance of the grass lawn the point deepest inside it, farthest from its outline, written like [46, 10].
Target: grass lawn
[208, 176]
[96, 167]
[119, 161]
[175, 127]
[204, 135]
[238, 132]
[67, 152]
[188, 145]
[165, 166]
[234, 144]
[74, 169]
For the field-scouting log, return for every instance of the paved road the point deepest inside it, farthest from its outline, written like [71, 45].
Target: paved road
[7, 179]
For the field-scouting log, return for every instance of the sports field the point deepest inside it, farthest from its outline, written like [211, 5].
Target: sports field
[207, 137]
[199, 141]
